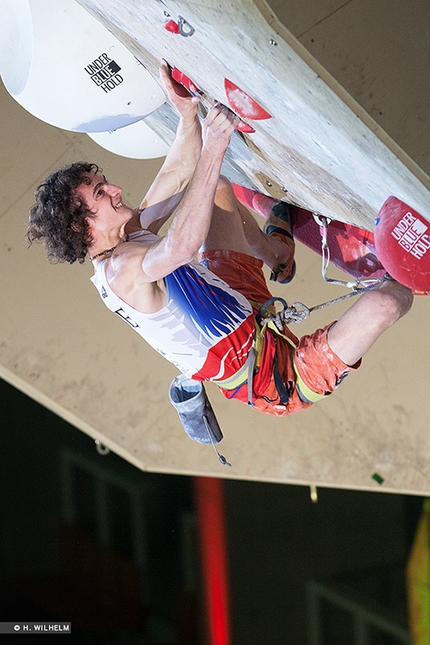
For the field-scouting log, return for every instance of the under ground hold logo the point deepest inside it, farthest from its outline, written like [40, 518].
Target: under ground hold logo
[411, 235]
[104, 73]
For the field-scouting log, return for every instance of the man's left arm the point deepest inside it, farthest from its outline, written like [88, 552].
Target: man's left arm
[168, 187]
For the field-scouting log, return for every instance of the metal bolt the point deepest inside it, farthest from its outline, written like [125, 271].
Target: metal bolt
[272, 42]
[101, 448]
[284, 189]
[269, 183]
[185, 29]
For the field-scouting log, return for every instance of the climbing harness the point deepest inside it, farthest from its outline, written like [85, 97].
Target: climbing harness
[263, 323]
[267, 318]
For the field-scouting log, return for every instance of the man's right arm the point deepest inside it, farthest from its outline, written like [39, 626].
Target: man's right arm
[190, 225]
[168, 187]
[137, 272]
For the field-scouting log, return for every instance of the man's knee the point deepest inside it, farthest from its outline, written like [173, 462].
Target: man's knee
[224, 183]
[225, 199]
[390, 302]
[363, 323]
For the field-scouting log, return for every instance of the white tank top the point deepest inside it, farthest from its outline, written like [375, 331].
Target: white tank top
[205, 328]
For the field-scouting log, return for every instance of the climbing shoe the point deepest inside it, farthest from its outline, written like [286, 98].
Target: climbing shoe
[280, 223]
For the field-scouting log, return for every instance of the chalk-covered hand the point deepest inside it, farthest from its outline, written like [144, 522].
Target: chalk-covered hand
[218, 127]
[183, 101]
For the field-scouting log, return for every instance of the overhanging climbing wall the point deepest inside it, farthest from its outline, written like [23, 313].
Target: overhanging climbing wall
[60, 345]
[318, 148]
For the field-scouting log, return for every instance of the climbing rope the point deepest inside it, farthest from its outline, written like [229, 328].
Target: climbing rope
[298, 311]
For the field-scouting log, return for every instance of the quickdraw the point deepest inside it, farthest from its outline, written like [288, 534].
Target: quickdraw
[323, 224]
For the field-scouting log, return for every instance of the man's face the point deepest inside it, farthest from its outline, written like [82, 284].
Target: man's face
[104, 203]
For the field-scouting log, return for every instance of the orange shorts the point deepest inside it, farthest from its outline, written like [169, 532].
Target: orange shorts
[319, 367]
[321, 370]
[244, 273]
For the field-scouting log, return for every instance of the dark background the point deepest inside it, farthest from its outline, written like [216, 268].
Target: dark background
[88, 538]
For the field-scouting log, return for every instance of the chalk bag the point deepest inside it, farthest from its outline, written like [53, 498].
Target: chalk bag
[195, 411]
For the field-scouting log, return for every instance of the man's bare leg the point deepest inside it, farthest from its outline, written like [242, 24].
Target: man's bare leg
[233, 227]
[362, 324]
[226, 230]
[272, 249]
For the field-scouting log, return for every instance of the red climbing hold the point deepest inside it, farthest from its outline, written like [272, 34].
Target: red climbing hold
[402, 242]
[243, 104]
[180, 77]
[245, 127]
[171, 25]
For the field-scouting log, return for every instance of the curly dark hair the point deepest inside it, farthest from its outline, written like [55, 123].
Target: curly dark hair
[59, 216]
